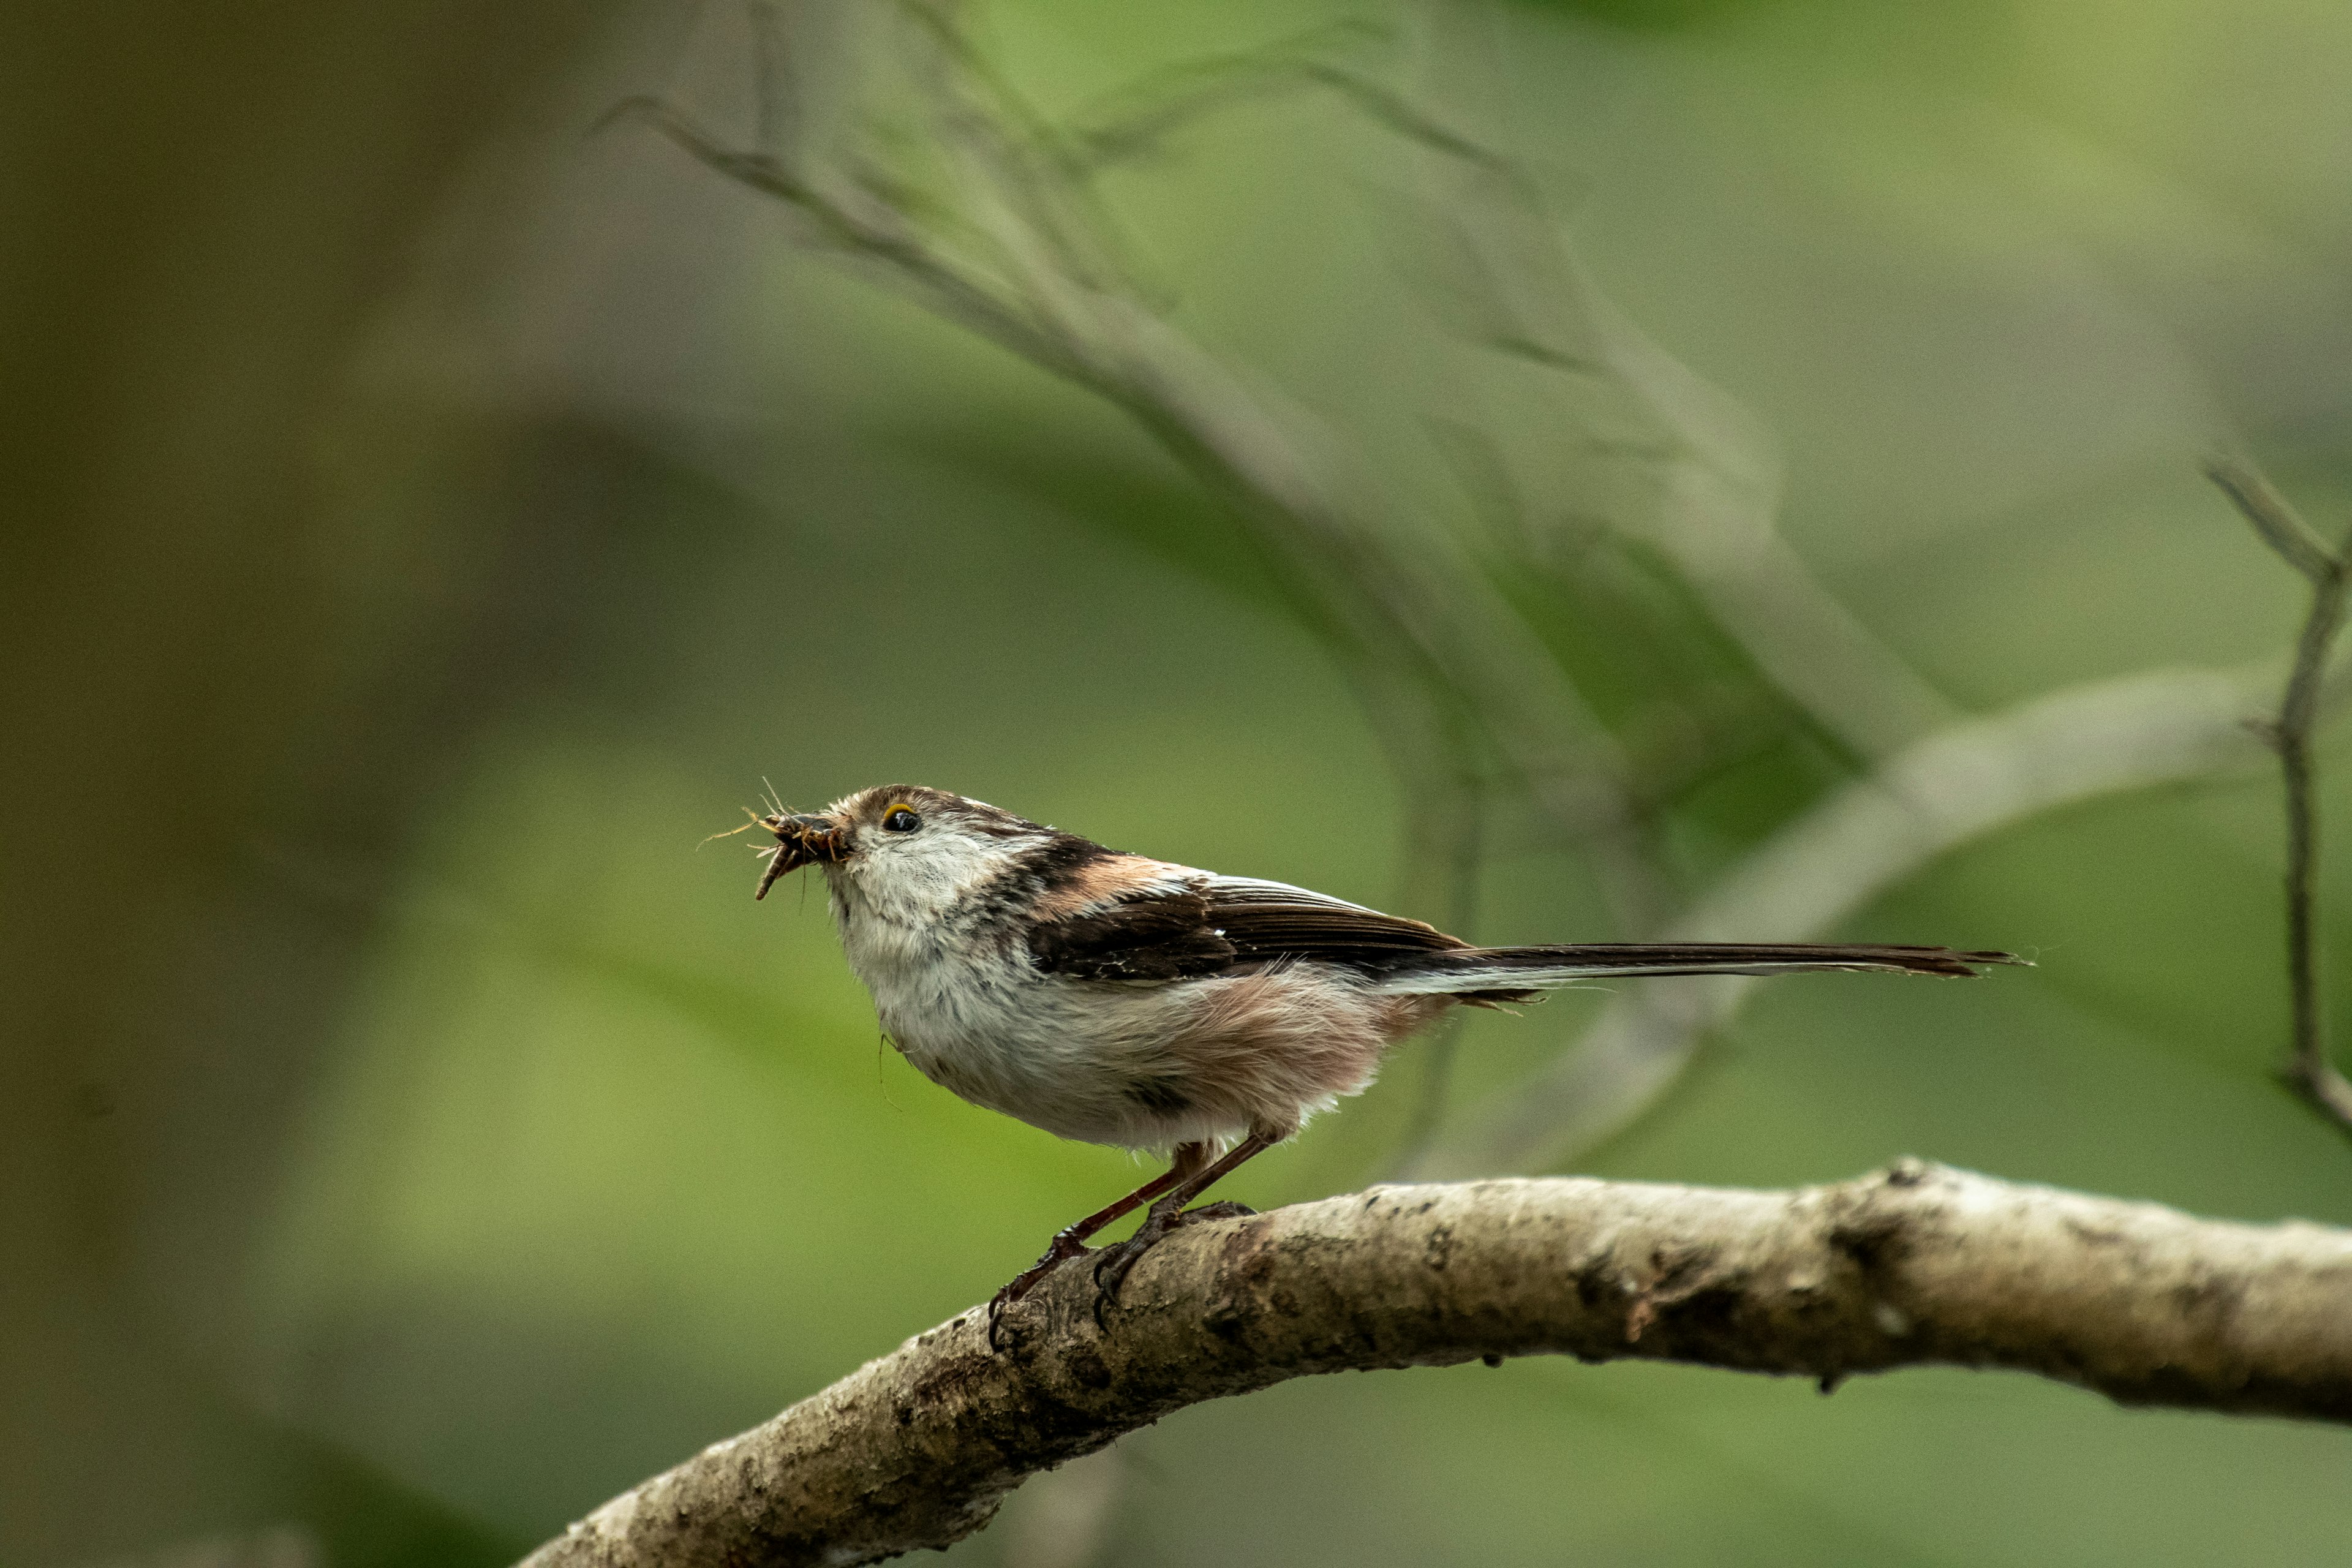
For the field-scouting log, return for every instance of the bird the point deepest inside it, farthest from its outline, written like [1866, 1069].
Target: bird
[1112, 998]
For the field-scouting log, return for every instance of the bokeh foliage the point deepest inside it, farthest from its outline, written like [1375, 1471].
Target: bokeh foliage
[436, 520]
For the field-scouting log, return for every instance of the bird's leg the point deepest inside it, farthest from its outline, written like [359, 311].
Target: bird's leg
[1070, 1240]
[1170, 1214]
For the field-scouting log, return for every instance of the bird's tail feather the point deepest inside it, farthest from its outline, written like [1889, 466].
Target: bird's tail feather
[1503, 969]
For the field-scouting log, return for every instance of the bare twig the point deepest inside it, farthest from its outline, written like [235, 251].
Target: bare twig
[1917, 1264]
[1137, 119]
[2308, 1069]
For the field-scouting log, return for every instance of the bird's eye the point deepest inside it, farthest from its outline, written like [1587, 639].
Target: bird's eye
[899, 819]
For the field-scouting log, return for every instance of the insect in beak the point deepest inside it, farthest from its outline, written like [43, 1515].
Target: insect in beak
[800, 841]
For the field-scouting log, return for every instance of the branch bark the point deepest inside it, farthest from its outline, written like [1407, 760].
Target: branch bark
[1914, 1265]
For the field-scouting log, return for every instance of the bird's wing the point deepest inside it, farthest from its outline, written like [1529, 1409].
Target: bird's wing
[1126, 917]
[1275, 919]
[1170, 922]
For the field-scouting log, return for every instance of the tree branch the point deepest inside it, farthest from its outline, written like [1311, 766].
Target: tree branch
[1916, 1265]
[2308, 1069]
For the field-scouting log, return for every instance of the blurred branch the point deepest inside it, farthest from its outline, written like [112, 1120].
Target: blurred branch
[2102, 738]
[866, 230]
[1069, 1517]
[1445, 848]
[1136, 120]
[1625, 431]
[2283, 528]
[1016, 251]
[1917, 1264]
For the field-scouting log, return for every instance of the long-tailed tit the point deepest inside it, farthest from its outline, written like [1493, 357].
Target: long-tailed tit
[1116, 999]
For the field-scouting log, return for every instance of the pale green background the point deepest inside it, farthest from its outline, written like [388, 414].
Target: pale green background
[441, 521]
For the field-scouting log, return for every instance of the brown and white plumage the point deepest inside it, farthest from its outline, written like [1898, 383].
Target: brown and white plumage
[1118, 999]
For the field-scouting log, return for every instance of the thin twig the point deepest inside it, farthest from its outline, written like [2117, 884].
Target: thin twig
[2308, 1070]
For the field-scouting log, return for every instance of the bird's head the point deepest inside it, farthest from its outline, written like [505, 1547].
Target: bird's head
[902, 845]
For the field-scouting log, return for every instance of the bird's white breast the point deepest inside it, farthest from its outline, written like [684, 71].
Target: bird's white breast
[1062, 1054]
[1134, 1064]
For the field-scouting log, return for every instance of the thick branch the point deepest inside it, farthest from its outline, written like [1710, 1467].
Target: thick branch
[1916, 1265]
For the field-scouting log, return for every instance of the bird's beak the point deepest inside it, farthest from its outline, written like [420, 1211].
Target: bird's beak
[800, 841]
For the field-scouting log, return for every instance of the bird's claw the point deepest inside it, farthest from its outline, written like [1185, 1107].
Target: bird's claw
[1113, 1263]
[1064, 1248]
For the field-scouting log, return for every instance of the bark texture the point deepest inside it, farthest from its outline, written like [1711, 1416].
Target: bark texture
[1914, 1265]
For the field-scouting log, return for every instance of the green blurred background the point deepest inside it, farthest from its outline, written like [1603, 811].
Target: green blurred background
[426, 521]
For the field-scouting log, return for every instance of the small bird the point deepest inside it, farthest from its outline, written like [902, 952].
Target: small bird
[1116, 999]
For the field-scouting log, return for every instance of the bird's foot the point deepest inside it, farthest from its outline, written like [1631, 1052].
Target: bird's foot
[1066, 1245]
[1112, 1265]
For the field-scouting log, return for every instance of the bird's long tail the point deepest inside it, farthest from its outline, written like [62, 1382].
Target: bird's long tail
[1504, 969]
